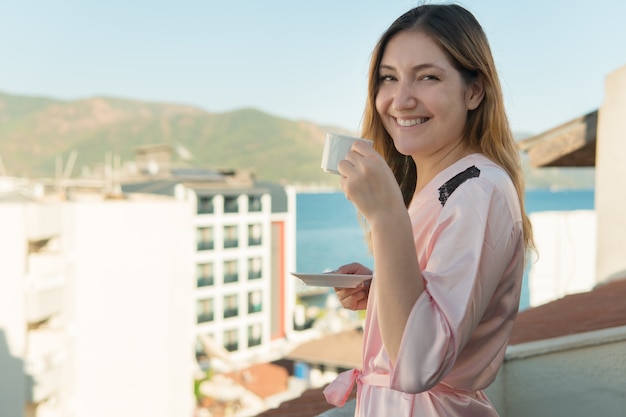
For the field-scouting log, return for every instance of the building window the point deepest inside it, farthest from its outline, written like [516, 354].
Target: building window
[231, 340]
[231, 306]
[204, 275]
[254, 335]
[231, 204]
[204, 310]
[254, 234]
[231, 272]
[255, 268]
[254, 203]
[205, 238]
[255, 299]
[205, 205]
[231, 236]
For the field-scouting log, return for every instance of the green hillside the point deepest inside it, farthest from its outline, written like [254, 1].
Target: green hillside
[34, 131]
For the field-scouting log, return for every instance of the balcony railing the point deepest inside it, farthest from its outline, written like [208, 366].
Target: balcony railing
[228, 278]
[231, 312]
[254, 342]
[255, 274]
[231, 243]
[206, 245]
[231, 347]
[43, 364]
[205, 281]
[254, 308]
[205, 317]
[43, 303]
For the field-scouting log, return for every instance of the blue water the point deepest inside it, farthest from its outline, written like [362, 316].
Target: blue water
[329, 234]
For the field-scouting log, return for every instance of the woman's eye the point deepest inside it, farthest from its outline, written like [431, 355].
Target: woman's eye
[386, 77]
[428, 77]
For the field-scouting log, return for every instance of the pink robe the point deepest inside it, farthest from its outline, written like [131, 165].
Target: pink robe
[471, 254]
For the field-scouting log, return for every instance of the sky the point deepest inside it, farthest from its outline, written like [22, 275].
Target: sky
[300, 60]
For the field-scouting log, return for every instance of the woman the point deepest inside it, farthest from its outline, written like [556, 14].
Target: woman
[442, 196]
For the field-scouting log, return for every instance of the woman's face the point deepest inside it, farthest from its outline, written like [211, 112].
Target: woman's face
[422, 99]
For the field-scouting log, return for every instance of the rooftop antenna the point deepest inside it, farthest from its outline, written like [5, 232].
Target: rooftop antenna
[68, 168]
[116, 174]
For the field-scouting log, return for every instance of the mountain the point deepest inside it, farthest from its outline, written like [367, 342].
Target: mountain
[35, 131]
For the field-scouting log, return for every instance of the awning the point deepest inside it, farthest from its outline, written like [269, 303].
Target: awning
[572, 144]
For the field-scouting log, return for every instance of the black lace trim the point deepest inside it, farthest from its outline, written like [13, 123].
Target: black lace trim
[448, 188]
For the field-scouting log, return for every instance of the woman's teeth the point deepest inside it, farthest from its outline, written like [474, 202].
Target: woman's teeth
[411, 122]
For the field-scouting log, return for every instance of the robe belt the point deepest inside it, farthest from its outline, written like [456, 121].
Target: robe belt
[338, 391]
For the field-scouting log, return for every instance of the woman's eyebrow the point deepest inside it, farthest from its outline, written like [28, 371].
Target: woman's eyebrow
[415, 68]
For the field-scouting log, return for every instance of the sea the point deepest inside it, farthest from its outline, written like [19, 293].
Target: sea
[328, 233]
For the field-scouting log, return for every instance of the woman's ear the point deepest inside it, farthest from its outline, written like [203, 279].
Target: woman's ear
[475, 93]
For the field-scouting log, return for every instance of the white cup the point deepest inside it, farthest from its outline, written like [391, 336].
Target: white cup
[336, 148]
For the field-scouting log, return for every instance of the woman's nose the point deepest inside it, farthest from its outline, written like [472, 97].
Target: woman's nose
[404, 98]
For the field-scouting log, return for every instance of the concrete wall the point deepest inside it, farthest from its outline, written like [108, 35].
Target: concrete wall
[576, 376]
[610, 173]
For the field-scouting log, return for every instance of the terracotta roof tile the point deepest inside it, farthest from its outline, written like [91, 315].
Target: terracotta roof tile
[263, 379]
[342, 350]
[603, 307]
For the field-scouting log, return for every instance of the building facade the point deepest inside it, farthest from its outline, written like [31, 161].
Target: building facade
[95, 318]
[244, 248]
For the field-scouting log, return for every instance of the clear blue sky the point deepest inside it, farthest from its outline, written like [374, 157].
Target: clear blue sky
[293, 58]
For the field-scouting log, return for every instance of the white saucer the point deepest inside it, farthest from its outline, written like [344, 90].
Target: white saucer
[332, 280]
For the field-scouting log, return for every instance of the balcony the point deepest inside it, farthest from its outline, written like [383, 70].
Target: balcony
[43, 303]
[231, 243]
[230, 278]
[205, 246]
[255, 274]
[44, 364]
[254, 342]
[204, 282]
[45, 289]
[205, 317]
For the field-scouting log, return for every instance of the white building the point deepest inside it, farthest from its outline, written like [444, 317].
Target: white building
[245, 247]
[95, 318]
[105, 291]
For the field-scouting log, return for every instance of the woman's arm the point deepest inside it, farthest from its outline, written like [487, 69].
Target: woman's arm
[370, 185]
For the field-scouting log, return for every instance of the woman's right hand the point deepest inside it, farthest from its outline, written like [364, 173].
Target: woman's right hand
[354, 298]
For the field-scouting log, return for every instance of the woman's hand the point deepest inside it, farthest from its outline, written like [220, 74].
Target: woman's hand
[354, 298]
[367, 181]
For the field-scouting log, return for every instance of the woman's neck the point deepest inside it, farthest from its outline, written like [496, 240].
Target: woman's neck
[428, 167]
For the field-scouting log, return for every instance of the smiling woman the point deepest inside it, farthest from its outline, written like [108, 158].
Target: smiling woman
[441, 192]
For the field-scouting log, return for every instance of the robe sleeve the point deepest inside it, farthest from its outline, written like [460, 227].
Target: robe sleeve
[472, 244]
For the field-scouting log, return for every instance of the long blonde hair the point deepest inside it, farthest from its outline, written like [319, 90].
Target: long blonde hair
[487, 130]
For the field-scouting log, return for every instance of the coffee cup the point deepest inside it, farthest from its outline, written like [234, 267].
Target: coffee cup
[336, 147]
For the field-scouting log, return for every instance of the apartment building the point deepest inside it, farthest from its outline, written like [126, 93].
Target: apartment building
[245, 247]
[95, 318]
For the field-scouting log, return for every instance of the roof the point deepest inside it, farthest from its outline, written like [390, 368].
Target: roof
[311, 403]
[572, 144]
[263, 379]
[340, 350]
[601, 308]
